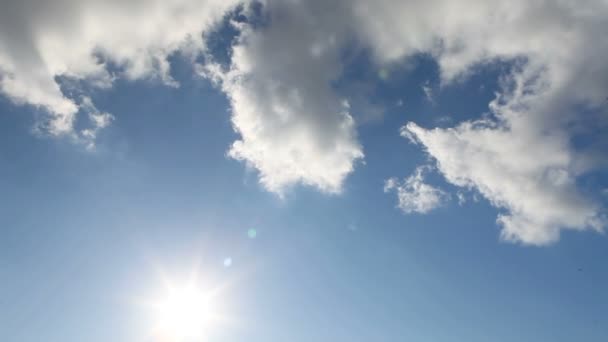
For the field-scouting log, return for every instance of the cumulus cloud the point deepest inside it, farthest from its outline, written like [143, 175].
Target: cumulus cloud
[521, 159]
[519, 167]
[293, 126]
[41, 41]
[414, 195]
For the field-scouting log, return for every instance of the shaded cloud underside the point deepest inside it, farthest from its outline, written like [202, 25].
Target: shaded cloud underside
[296, 129]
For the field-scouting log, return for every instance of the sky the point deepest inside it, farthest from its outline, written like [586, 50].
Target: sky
[317, 171]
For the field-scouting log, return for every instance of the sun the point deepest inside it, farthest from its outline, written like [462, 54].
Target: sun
[190, 306]
[184, 313]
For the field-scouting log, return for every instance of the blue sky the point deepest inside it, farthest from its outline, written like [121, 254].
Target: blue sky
[115, 181]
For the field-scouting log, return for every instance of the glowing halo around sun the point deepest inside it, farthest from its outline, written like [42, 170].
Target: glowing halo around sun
[183, 312]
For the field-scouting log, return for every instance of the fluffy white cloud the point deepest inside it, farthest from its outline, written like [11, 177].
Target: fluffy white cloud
[43, 40]
[414, 195]
[521, 157]
[294, 128]
[518, 166]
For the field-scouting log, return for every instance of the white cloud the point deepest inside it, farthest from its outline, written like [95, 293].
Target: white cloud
[461, 198]
[98, 120]
[293, 127]
[414, 195]
[521, 159]
[519, 162]
[43, 40]
[518, 167]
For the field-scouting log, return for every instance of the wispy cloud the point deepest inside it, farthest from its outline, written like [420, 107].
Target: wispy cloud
[428, 92]
[98, 121]
[414, 195]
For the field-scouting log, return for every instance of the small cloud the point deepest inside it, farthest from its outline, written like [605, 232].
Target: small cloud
[98, 120]
[414, 195]
[475, 198]
[461, 198]
[428, 92]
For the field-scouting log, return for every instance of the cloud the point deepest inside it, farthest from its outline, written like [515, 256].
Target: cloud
[428, 92]
[520, 157]
[414, 195]
[519, 160]
[529, 172]
[99, 120]
[290, 117]
[296, 127]
[293, 127]
[41, 41]
[461, 198]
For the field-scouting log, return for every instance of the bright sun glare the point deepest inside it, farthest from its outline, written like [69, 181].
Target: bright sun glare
[184, 313]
